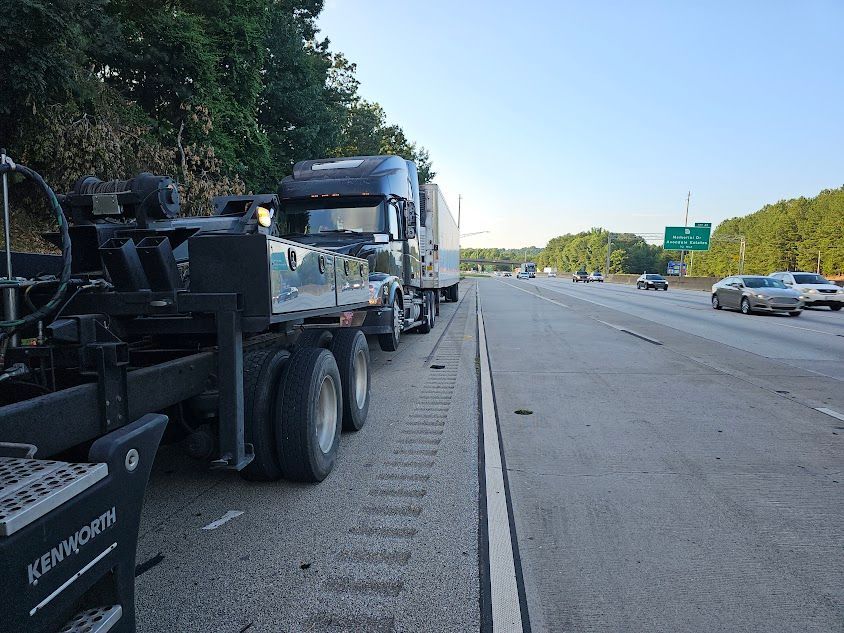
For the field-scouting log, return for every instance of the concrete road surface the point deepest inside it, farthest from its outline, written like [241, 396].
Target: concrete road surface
[674, 474]
[388, 542]
[673, 468]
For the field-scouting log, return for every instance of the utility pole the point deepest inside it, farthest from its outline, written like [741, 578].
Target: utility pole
[609, 248]
[819, 262]
[685, 223]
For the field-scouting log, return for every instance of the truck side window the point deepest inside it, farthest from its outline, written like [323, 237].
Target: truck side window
[393, 219]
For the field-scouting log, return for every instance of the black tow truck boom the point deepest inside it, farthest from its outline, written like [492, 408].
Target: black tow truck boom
[150, 326]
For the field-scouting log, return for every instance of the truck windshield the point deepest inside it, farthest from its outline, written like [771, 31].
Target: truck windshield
[359, 215]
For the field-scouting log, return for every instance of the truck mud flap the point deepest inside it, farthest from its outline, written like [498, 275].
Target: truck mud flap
[69, 531]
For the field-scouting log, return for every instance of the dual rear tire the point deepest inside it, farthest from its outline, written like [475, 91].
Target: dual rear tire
[296, 404]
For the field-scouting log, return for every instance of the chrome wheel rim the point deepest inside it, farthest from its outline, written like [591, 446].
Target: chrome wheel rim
[326, 414]
[714, 301]
[397, 319]
[361, 378]
[745, 307]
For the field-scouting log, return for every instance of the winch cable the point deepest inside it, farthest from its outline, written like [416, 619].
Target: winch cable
[64, 277]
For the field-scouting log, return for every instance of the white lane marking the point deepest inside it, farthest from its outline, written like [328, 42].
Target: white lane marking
[615, 327]
[504, 590]
[616, 308]
[228, 516]
[562, 305]
[830, 412]
[808, 329]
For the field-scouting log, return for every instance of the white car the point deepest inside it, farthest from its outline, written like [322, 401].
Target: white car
[552, 274]
[596, 276]
[814, 289]
[523, 275]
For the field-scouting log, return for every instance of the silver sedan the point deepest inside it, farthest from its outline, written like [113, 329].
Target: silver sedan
[755, 293]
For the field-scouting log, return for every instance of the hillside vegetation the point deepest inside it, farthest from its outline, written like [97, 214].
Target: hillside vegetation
[224, 96]
[787, 235]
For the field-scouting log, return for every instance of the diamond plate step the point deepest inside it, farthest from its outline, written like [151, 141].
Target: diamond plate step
[97, 620]
[30, 488]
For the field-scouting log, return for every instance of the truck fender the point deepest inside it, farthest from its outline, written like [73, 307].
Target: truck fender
[395, 288]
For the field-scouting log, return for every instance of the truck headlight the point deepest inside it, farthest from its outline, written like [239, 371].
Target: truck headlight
[265, 216]
[378, 294]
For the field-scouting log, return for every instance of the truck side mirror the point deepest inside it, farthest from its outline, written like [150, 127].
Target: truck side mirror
[410, 220]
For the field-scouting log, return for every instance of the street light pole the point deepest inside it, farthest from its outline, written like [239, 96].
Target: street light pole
[459, 204]
[685, 223]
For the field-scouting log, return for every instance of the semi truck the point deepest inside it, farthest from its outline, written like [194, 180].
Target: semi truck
[529, 268]
[212, 331]
[373, 207]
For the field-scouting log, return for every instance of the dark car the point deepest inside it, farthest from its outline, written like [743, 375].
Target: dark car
[580, 275]
[754, 293]
[649, 280]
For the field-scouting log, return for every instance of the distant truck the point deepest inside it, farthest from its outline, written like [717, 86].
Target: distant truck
[372, 207]
[529, 268]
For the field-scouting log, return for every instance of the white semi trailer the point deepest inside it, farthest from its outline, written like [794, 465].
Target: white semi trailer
[439, 243]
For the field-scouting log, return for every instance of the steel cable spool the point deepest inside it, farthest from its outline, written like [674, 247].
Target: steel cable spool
[64, 277]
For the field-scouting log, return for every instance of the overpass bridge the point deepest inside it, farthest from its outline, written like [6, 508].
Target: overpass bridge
[493, 262]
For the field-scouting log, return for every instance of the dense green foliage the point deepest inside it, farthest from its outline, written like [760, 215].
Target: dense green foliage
[528, 253]
[588, 250]
[787, 235]
[224, 95]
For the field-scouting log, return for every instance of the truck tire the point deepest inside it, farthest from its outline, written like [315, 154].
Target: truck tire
[389, 342]
[309, 415]
[351, 352]
[427, 313]
[263, 371]
[315, 338]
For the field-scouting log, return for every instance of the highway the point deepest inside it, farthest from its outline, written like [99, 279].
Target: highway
[668, 479]
[669, 470]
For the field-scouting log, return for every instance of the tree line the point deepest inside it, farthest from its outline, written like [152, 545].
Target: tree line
[528, 253]
[224, 96]
[797, 234]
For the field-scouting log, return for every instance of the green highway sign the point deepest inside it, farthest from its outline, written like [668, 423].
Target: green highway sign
[706, 224]
[686, 238]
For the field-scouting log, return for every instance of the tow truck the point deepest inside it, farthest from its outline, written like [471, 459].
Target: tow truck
[148, 327]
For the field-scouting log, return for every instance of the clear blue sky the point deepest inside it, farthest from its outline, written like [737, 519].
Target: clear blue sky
[553, 117]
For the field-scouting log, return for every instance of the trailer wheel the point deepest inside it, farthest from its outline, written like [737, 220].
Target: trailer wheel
[390, 342]
[351, 352]
[427, 313]
[309, 415]
[263, 371]
[453, 293]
